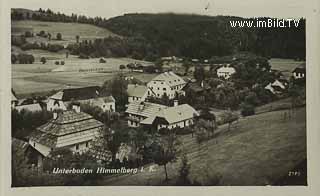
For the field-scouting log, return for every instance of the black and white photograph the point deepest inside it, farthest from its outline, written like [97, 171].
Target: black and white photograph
[158, 93]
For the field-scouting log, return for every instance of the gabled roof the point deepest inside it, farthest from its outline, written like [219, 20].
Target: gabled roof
[68, 122]
[300, 68]
[78, 93]
[174, 114]
[170, 78]
[137, 90]
[145, 109]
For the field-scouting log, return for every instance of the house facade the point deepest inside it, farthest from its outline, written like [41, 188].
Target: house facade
[138, 111]
[72, 129]
[226, 72]
[172, 117]
[137, 93]
[299, 72]
[167, 83]
[87, 95]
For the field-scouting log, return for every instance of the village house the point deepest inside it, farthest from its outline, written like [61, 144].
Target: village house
[72, 129]
[278, 86]
[299, 72]
[137, 92]
[167, 83]
[88, 95]
[172, 117]
[138, 111]
[226, 71]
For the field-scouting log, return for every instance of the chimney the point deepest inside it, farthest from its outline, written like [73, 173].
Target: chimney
[175, 103]
[76, 107]
[55, 115]
[141, 106]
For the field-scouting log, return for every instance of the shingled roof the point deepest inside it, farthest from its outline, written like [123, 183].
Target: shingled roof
[145, 109]
[173, 114]
[78, 93]
[68, 122]
[170, 78]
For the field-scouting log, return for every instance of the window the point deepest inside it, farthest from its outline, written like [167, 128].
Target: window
[158, 95]
[77, 146]
[154, 82]
[158, 88]
[164, 89]
[34, 144]
[87, 144]
[161, 82]
[148, 92]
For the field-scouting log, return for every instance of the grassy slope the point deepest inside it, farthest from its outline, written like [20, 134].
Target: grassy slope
[68, 31]
[257, 151]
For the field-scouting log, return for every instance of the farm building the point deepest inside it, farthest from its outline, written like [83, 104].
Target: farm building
[72, 129]
[167, 83]
[172, 117]
[137, 92]
[88, 95]
[299, 72]
[278, 86]
[138, 111]
[226, 71]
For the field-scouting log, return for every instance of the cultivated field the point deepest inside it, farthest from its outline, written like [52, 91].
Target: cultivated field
[68, 31]
[259, 150]
[38, 77]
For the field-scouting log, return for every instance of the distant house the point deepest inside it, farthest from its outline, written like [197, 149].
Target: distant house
[72, 129]
[89, 95]
[167, 83]
[172, 117]
[226, 72]
[138, 111]
[299, 72]
[137, 92]
[278, 86]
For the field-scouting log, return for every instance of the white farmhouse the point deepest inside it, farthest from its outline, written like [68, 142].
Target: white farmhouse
[178, 116]
[299, 72]
[138, 111]
[137, 92]
[167, 83]
[89, 95]
[226, 72]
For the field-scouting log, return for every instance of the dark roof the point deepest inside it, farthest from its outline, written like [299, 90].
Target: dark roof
[78, 93]
[68, 122]
[300, 68]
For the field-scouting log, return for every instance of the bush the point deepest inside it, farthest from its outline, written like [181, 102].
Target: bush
[55, 47]
[59, 36]
[83, 56]
[28, 34]
[122, 67]
[61, 62]
[56, 62]
[43, 60]
[25, 58]
[247, 109]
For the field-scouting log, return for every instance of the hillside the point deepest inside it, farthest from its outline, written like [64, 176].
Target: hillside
[206, 36]
[68, 31]
[259, 150]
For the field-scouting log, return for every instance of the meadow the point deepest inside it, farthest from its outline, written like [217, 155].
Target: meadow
[258, 150]
[68, 31]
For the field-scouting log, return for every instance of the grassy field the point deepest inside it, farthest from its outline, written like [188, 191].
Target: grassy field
[68, 31]
[38, 77]
[257, 151]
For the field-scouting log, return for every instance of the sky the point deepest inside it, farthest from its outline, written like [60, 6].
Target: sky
[111, 8]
